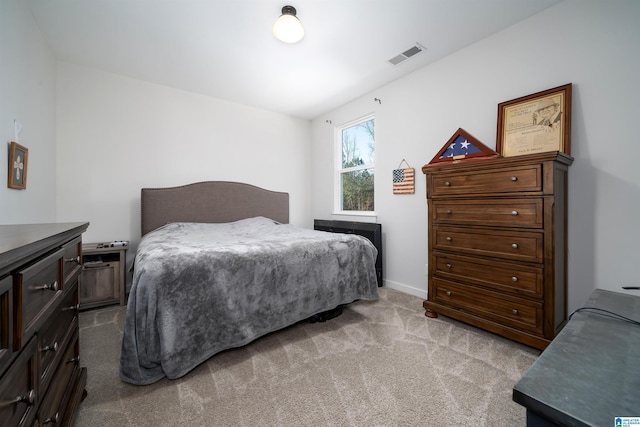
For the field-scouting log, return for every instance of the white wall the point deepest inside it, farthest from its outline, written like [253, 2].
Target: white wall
[117, 135]
[590, 43]
[27, 95]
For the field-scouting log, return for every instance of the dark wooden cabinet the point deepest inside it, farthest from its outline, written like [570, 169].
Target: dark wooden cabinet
[497, 244]
[41, 381]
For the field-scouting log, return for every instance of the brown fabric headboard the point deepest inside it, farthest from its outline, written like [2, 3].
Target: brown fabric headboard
[212, 202]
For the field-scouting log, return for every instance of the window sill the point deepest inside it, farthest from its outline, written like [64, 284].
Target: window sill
[356, 213]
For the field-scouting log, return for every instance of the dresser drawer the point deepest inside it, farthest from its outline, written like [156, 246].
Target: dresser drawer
[72, 260]
[55, 334]
[516, 279]
[503, 309]
[513, 245]
[489, 212]
[6, 322]
[19, 389]
[38, 288]
[517, 179]
[53, 410]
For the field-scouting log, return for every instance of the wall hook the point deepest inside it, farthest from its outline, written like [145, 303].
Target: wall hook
[377, 100]
[328, 121]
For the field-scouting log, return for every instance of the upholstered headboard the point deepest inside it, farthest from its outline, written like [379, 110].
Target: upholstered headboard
[212, 202]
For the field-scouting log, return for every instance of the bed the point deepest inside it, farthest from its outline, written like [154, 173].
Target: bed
[219, 266]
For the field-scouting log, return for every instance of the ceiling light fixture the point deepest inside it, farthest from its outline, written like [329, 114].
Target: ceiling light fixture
[288, 27]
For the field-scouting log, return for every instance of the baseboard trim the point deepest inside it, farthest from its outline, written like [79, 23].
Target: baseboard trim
[422, 293]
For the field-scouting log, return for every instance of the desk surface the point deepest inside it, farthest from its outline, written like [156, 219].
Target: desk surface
[590, 373]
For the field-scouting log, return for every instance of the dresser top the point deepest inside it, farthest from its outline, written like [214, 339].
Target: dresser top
[20, 241]
[590, 373]
[499, 162]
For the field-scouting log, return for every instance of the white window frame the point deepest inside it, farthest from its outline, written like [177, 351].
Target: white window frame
[338, 170]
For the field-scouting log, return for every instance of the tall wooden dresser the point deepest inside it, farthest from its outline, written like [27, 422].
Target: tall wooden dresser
[498, 244]
[41, 381]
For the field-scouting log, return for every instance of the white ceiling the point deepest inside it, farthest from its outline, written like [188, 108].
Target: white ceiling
[225, 48]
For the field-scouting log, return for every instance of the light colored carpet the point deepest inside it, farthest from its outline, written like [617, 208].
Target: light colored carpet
[380, 363]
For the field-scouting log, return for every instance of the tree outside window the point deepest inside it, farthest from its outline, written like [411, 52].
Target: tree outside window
[357, 166]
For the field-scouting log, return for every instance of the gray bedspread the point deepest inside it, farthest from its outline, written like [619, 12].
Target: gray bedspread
[199, 289]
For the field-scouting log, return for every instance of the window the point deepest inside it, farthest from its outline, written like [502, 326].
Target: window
[356, 148]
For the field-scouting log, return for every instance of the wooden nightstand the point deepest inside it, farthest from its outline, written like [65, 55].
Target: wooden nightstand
[103, 275]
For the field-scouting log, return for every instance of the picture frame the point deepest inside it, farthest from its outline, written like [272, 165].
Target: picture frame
[18, 159]
[536, 123]
[462, 146]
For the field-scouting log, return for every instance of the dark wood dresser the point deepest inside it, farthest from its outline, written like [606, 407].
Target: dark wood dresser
[41, 381]
[497, 244]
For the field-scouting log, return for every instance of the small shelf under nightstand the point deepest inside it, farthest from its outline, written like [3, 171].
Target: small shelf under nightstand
[103, 275]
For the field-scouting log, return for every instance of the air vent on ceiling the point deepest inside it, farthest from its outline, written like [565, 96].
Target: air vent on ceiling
[412, 51]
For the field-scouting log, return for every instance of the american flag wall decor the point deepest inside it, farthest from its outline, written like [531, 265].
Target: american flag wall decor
[404, 180]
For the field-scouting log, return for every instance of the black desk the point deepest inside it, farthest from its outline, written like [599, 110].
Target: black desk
[590, 373]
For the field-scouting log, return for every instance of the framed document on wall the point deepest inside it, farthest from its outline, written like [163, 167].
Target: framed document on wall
[535, 123]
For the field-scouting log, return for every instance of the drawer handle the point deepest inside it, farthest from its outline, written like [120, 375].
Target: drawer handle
[53, 347]
[514, 178]
[514, 245]
[49, 286]
[449, 238]
[448, 211]
[72, 307]
[448, 265]
[447, 184]
[448, 293]
[514, 279]
[75, 360]
[76, 259]
[514, 213]
[29, 398]
[514, 311]
[52, 420]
